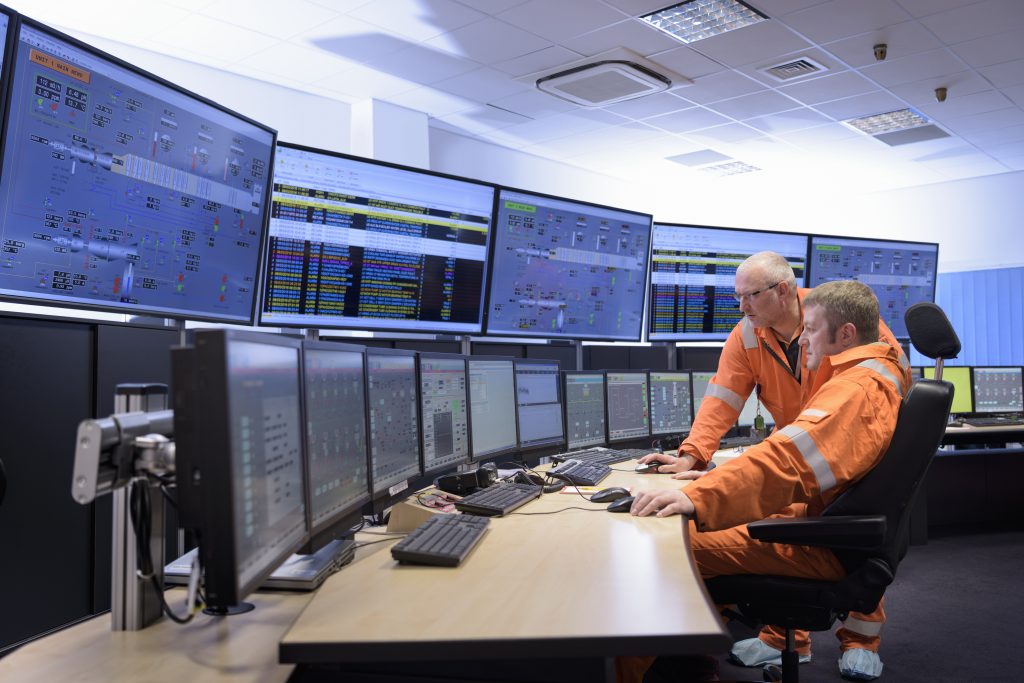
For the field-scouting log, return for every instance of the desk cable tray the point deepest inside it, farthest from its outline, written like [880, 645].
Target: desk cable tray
[443, 540]
[582, 473]
[498, 500]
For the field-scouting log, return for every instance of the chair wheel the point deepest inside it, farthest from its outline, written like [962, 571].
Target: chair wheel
[772, 672]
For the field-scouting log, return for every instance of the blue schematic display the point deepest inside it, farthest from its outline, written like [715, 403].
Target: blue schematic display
[900, 273]
[567, 269]
[356, 243]
[125, 194]
[693, 277]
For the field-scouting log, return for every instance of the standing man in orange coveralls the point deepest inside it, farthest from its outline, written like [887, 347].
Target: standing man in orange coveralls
[762, 352]
[802, 468]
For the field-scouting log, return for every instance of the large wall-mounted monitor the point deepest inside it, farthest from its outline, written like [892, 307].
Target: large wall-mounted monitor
[998, 390]
[444, 409]
[122, 192]
[492, 406]
[628, 405]
[337, 464]
[693, 277]
[671, 403]
[539, 403]
[393, 417]
[900, 273]
[239, 434]
[567, 269]
[362, 244]
[584, 409]
[960, 377]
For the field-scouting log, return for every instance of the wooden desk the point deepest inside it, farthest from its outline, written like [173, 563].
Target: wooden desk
[579, 583]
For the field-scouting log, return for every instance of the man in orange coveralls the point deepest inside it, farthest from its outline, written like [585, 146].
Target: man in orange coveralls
[800, 469]
[762, 353]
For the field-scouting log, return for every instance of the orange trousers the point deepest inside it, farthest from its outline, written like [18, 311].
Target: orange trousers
[733, 551]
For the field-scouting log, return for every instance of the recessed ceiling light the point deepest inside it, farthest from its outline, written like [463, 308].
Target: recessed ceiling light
[888, 122]
[730, 168]
[699, 19]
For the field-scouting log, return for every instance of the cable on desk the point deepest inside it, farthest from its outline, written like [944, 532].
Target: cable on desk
[555, 512]
[357, 546]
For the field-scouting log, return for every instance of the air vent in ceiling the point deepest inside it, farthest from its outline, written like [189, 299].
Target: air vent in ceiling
[730, 168]
[794, 68]
[699, 158]
[602, 83]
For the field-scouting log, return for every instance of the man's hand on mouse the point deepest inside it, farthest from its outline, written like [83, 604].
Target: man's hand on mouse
[661, 503]
[669, 464]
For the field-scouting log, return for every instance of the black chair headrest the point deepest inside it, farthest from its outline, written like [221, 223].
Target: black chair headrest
[931, 332]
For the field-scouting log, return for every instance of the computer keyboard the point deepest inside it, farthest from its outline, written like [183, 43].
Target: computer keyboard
[735, 442]
[499, 499]
[637, 453]
[595, 456]
[582, 473]
[994, 421]
[444, 540]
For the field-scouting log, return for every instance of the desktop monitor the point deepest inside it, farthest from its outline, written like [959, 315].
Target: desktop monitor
[356, 243]
[444, 407]
[239, 437]
[693, 277]
[125, 193]
[7, 24]
[627, 401]
[671, 404]
[960, 378]
[567, 269]
[393, 420]
[539, 403]
[584, 409]
[998, 390]
[700, 380]
[900, 273]
[492, 406]
[337, 466]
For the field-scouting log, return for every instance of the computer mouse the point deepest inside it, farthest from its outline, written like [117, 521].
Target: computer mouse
[648, 467]
[621, 505]
[609, 494]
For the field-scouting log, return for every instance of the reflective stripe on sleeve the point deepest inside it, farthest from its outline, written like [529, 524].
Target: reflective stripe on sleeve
[747, 333]
[903, 361]
[812, 456]
[814, 412]
[879, 367]
[734, 400]
[870, 629]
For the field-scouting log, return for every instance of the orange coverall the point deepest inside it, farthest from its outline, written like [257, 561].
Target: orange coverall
[841, 433]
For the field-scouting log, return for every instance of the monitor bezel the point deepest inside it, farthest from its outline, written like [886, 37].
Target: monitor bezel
[378, 494]
[359, 323]
[545, 334]
[139, 310]
[650, 403]
[707, 336]
[514, 449]
[565, 406]
[543, 443]
[9, 52]
[469, 429]
[332, 526]
[974, 395]
[607, 417]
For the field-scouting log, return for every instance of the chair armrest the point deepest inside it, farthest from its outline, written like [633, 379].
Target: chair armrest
[856, 532]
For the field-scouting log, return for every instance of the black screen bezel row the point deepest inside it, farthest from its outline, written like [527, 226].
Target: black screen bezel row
[11, 52]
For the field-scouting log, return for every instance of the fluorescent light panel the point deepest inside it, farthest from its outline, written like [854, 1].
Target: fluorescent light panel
[730, 168]
[888, 122]
[699, 19]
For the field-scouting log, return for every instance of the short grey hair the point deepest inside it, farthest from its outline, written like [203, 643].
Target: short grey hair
[774, 267]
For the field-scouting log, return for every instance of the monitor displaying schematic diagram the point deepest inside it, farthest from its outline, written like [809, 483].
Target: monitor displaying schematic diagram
[122, 192]
[567, 269]
[901, 274]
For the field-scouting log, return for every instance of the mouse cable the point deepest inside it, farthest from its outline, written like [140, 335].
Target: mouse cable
[555, 512]
[569, 482]
[363, 544]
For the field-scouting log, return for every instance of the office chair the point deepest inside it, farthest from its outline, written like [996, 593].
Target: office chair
[867, 527]
[3, 482]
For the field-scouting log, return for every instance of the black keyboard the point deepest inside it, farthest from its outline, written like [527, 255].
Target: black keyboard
[735, 442]
[595, 456]
[992, 421]
[499, 499]
[637, 453]
[582, 473]
[443, 540]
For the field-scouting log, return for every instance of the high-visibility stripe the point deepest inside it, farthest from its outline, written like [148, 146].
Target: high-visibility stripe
[903, 361]
[879, 367]
[812, 456]
[747, 333]
[864, 628]
[814, 412]
[724, 394]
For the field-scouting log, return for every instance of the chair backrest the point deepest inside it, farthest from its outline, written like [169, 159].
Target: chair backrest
[3, 482]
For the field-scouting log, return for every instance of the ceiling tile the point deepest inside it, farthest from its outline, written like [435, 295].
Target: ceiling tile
[923, 8]
[1007, 73]
[364, 83]
[299, 64]
[635, 8]
[991, 50]
[557, 21]
[751, 44]
[719, 86]
[144, 21]
[686, 62]
[483, 85]
[728, 133]
[489, 6]
[421, 64]
[482, 119]
[976, 21]
[903, 39]
[489, 41]
[539, 60]
[843, 18]
[778, 8]
[914, 68]
[415, 19]
[756, 104]
[339, 6]
[630, 33]
[957, 85]
[651, 105]
[819, 136]
[432, 102]
[213, 38]
[965, 105]
[534, 104]
[1016, 93]
[991, 137]
[861, 105]
[826, 88]
[687, 120]
[788, 121]
[558, 126]
[1004, 118]
[268, 18]
[351, 39]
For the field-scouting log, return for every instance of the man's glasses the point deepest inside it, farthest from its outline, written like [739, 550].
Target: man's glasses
[751, 295]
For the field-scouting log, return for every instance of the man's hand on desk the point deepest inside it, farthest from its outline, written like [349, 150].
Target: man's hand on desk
[662, 503]
[669, 464]
[690, 475]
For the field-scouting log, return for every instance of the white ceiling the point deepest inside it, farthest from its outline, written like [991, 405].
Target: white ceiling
[459, 60]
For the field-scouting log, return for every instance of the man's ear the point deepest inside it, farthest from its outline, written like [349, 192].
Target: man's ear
[847, 335]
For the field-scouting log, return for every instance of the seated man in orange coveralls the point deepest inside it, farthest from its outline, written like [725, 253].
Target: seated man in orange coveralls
[762, 354]
[802, 468]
